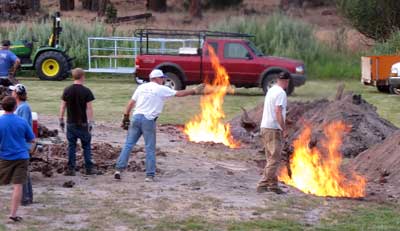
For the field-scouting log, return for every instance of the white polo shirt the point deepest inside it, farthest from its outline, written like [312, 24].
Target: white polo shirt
[150, 99]
[276, 96]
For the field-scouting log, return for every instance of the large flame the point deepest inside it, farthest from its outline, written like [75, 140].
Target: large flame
[320, 175]
[208, 126]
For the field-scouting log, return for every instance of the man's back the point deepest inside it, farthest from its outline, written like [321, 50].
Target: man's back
[150, 98]
[77, 96]
[7, 59]
[276, 96]
[14, 133]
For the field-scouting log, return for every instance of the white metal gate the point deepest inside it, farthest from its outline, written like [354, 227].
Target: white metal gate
[117, 54]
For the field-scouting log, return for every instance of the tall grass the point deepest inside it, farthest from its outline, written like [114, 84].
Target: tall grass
[73, 36]
[390, 47]
[284, 36]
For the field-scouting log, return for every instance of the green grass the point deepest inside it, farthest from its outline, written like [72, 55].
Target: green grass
[113, 92]
[365, 218]
[112, 95]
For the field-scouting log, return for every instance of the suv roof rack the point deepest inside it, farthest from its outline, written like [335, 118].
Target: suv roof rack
[194, 33]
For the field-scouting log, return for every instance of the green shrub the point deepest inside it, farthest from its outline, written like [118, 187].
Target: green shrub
[283, 36]
[390, 46]
[375, 19]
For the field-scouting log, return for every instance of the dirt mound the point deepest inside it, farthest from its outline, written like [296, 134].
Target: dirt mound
[381, 162]
[44, 132]
[54, 158]
[367, 128]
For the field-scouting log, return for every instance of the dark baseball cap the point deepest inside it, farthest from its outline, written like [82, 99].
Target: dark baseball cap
[6, 43]
[284, 75]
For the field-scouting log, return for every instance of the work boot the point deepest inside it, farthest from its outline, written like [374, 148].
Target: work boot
[70, 172]
[277, 190]
[93, 171]
[117, 175]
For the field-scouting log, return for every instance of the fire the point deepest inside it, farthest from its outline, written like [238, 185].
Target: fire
[208, 126]
[320, 175]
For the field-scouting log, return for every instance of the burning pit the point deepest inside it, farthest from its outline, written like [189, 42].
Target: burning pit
[208, 126]
[319, 134]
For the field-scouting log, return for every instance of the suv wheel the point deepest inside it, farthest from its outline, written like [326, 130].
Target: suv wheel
[173, 81]
[270, 80]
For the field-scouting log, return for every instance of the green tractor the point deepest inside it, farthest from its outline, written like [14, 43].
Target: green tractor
[51, 61]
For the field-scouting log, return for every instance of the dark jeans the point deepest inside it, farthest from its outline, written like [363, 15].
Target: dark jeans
[27, 192]
[75, 132]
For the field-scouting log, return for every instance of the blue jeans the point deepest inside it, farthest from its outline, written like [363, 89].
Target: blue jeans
[140, 126]
[75, 132]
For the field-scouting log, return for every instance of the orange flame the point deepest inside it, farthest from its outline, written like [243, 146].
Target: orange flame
[321, 175]
[208, 126]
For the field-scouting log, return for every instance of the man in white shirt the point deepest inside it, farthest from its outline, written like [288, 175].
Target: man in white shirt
[148, 101]
[272, 130]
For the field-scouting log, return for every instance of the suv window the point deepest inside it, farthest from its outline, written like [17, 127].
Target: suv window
[235, 50]
[214, 45]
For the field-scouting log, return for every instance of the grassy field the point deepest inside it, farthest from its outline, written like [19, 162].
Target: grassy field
[112, 94]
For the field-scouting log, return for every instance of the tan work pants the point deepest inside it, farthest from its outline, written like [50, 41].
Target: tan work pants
[272, 140]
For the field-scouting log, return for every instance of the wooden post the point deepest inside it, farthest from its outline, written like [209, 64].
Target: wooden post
[195, 9]
[66, 5]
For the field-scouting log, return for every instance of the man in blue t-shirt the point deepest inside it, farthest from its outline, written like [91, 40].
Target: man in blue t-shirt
[9, 63]
[24, 111]
[14, 156]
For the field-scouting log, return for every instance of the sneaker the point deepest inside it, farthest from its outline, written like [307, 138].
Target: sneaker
[70, 172]
[262, 189]
[93, 171]
[149, 179]
[117, 175]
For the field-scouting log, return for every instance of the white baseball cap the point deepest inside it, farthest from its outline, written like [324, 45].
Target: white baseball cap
[19, 89]
[157, 73]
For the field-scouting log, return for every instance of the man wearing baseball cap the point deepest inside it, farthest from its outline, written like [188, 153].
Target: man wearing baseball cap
[9, 63]
[24, 111]
[272, 133]
[147, 101]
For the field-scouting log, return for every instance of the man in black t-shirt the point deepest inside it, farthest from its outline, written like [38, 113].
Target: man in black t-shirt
[77, 99]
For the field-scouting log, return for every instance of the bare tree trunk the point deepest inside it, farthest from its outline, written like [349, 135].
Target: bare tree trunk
[195, 9]
[157, 5]
[96, 5]
[66, 5]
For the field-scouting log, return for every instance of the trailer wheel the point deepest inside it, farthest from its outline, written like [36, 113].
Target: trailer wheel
[173, 81]
[52, 65]
[383, 88]
[271, 79]
[394, 90]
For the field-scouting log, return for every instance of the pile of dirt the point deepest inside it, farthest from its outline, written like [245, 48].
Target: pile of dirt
[367, 128]
[44, 132]
[54, 158]
[380, 163]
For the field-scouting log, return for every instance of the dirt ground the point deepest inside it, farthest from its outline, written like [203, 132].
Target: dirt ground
[193, 180]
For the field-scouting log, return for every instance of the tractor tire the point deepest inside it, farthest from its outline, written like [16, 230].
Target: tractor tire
[52, 65]
[270, 80]
[173, 81]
